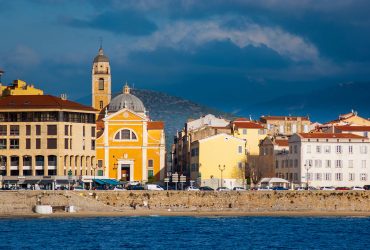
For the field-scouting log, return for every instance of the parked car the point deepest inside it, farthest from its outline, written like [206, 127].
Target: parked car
[119, 189]
[300, 188]
[206, 188]
[279, 188]
[367, 187]
[357, 188]
[222, 189]
[264, 189]
[192, 188]
[135, 187]
[342, 188]
[79, 188]
[328, 188]
[239, 189]
[312, 188]
[153, 187]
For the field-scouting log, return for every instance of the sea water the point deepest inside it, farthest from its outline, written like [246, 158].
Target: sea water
[186, 233]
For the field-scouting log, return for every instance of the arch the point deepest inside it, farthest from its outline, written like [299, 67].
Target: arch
[52, 165]
[101, 83]
[14, 165]
[3, 163]
[125, 134]
[27, 165]
[83, 166]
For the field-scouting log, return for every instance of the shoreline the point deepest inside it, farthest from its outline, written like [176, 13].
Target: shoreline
[151, 213]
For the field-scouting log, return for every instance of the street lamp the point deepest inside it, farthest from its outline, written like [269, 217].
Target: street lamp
[221, 168]
[307, 167]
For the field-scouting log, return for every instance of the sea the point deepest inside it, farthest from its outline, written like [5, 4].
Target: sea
[161, 232]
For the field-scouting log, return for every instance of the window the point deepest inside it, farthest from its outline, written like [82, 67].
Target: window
[2, 143]
[100, 163]
[291, 163]
[28, 143]
[363, 177]
[52, 129]
[101, 105]
[92, 144]
[244, 131]
[240, 149]
[338, 163]
[150, 173]
[318, 176]
[350, 163]
[363, 149]
[318, 163]
[363, 163]
[339, 149]
[14, 129]
[66, 129]
[83, 144]
[295, 176]
[66, 142]
[296, 163]
[92, 131]
[261, 131]
[70, 144]
[308, 149]
[150, 163]
[295, 149]
[338, 176]
[328, 163]
[38, 129]
[327, 176]
[351, 176]
[70, 130]
[52, 143]
[101, 84]
[277, 164]
[28, 129]
[126, 135]
[350, 149]
[281, 129]
[308, 163]
[14, 143]
[83, 131]
[327, 149]
[38, 143]
[318, 149]
[3, 130]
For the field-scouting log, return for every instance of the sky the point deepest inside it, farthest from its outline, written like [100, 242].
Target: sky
[234, 55]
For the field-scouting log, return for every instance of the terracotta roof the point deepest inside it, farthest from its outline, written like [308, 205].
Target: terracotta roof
[330, 136]
[241, 119]
[156, 125]
[40, 102]
[288, 118]
[282, 143]
[248, 125]
[353, 128]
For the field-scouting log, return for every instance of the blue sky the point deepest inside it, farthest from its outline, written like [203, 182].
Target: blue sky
[232, 55]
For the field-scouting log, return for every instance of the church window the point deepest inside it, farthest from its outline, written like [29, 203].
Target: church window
[126, 135]
[101, 84]
[101, 104]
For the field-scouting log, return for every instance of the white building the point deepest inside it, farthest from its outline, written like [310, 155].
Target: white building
[323, 159]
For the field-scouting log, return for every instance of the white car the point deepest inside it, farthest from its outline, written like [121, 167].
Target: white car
[239, 189]
[79, 188]
[264, 189]
[222, 189]
[153, 187]
[328, 188]
[119, 189]
[358, 188]
[191, 188]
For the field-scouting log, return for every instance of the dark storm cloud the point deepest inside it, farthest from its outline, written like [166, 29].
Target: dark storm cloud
[122, 22]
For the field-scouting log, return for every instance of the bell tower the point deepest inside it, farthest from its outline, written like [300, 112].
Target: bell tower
[101, 81]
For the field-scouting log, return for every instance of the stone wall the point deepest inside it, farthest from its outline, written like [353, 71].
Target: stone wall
[17, 202]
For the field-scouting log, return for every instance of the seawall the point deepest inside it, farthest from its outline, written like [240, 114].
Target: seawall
[95, 202]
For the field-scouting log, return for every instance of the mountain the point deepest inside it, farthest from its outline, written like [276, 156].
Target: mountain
[322, 104]
[174, 111]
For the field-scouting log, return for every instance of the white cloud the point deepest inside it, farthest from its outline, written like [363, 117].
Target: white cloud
[189, 35]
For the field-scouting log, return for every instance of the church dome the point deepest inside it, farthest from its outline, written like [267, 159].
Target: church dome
[101, 57]
[126, 100]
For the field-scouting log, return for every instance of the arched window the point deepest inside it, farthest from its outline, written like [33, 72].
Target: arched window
[125, 135]
[101, 84]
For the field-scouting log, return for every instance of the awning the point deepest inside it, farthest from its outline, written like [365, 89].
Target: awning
[43, 182]
[31, 182]
[111, 182]
[63, 181]
[10, 181]
[100, 182]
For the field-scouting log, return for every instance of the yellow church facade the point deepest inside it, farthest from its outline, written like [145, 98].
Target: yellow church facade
[129, 146]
